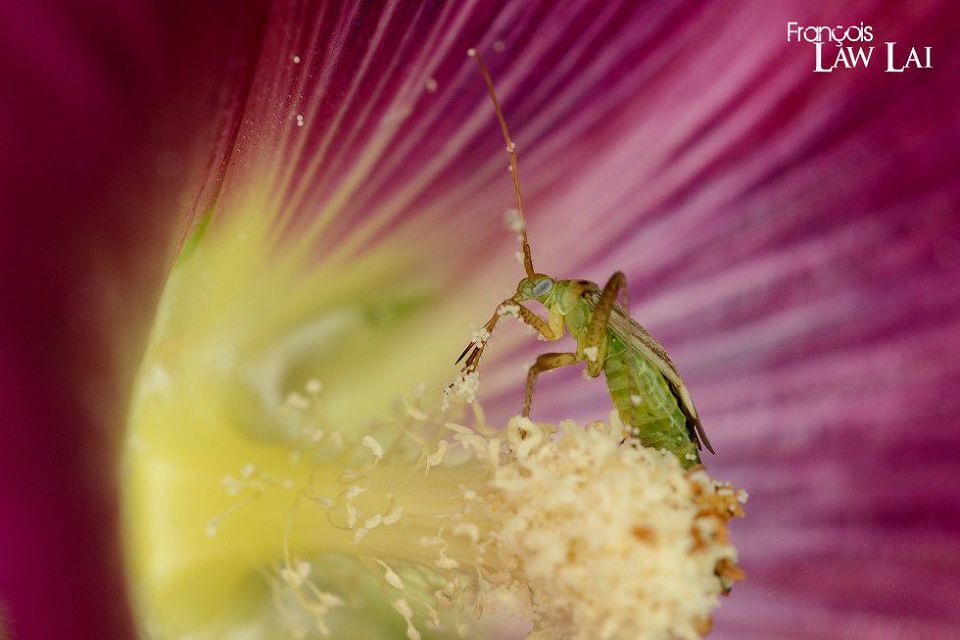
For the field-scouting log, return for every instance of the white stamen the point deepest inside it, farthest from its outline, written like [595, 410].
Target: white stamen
[392, 516]
[404, 610]
[473, 441]
[297, 401]
[414, 412]
[591, 353]
[431, 541]
[290, 577]
[231, 484]
[435, 459]
[509, 522]
[352, 492]
[324, 502]
[391, 576]
[295, 576]
[458, 428]
[375, 447]
[469, 530]
[303, 569]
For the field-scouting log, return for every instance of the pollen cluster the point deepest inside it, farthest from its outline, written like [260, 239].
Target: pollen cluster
[580, 531]
[615, 539]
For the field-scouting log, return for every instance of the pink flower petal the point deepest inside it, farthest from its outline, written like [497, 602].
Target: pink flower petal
[97, 120]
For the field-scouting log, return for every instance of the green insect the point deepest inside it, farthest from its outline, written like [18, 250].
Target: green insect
[643, 382]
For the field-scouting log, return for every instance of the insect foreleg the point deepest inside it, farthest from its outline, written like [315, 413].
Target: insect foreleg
[509, 307]
[549, 330]
[597, 332]
[545, 362]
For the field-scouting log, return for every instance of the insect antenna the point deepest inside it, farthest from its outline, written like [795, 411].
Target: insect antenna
[512, 152]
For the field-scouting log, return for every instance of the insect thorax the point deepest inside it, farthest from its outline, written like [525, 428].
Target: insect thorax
[568, 298]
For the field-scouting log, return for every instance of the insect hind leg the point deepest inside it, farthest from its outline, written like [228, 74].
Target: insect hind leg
[545, 362]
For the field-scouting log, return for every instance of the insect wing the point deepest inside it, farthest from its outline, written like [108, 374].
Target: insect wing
[635, 335]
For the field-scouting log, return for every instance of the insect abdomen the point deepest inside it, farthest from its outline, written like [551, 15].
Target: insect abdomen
[644, 401]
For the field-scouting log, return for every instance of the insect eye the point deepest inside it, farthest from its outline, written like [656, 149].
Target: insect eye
[542, 287]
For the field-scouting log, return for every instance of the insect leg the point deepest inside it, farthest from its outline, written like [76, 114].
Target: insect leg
[543, 327]
[545, 362]
[597, 333]
[505, 308]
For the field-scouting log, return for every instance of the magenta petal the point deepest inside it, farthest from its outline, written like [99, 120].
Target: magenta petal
[97, 112]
